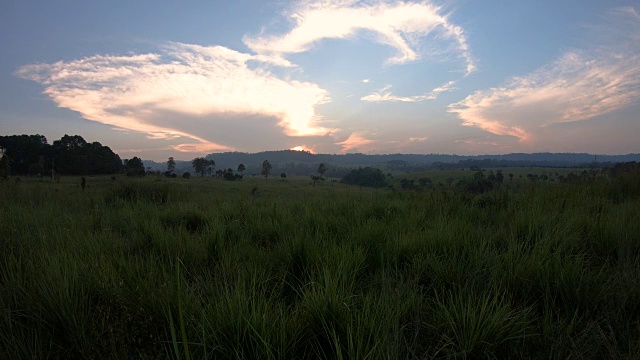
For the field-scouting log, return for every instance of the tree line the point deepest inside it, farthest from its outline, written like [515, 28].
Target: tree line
[71, 155]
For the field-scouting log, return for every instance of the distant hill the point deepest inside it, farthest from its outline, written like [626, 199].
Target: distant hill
[304, 163]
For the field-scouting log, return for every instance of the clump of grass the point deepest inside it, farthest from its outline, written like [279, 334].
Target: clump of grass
[136, 191]
[191, 220]
[473, 325]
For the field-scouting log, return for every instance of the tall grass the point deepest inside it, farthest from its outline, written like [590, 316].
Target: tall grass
[203, 268]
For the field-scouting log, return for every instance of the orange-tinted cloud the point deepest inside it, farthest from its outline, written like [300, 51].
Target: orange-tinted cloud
[126, 91]
[355, 141]
[582, 84]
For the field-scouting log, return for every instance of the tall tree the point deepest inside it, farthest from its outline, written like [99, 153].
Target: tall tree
[210, 165]
[171, 165]
[5, 167]
[241, 168]
[25, 152]
[322, 168]
[266, 169]
[134, 166]
[203, 166]
[199, 165]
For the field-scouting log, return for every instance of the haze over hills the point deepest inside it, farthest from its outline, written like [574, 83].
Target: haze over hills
[303, 162]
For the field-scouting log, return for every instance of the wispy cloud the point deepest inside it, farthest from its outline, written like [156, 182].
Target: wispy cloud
[384, 95]
[189, 80]
[355, 141]
[399, 24]
[598, 79]
[417, 139]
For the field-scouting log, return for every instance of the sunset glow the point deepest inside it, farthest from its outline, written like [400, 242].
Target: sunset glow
[336, 76]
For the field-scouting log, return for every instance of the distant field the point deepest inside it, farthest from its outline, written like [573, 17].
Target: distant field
[282, 269]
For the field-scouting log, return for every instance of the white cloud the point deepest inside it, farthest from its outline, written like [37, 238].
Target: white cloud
[355, 141]
[582, 84]
[383, 95]
[398, 24]
[191, 80]
[365, 80]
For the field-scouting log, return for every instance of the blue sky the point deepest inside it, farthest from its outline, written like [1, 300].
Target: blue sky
[186, 78]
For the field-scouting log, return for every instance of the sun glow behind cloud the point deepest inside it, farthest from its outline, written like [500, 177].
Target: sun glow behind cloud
[303, 148]
[126, 91]
[581, 84]
[400, 25]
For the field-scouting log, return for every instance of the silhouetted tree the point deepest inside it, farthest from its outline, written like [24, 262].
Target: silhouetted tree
[283, 176]
[171, 165]
[241, 168]
[202, 166]
[25, 152]
[134, 166]
[186, 175]
[266, 169]
[5, 167]
[322, 168]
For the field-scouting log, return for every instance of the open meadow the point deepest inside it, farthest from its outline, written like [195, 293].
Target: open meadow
[261, 268]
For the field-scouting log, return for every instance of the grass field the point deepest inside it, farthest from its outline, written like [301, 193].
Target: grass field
[272, 269]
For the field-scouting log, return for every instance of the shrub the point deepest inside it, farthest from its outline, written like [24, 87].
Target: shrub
[369, 177]
[140, 192]
[190, 220]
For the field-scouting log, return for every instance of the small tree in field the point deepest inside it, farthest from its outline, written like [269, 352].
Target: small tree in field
[322, 168]
[171, 165]
[5, 167]
[241, 168]
[283, 176]
[202, 166]
[266, 169]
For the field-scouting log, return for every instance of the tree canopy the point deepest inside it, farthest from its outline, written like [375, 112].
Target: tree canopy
[71, 155]
[134, 166]
[202, 165]
[266, 168]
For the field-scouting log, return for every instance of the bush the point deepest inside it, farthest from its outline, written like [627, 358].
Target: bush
[190, 220]
[368, 177]
[140, 192]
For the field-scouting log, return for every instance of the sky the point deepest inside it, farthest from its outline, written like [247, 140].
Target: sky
[155, 79]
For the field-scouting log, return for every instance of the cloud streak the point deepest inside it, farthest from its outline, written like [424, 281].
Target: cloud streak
[582, 84]
[384, 95]
[398, 24]
[355, 141]
[190, 80]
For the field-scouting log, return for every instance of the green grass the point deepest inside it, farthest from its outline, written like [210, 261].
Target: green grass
[205, 268]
